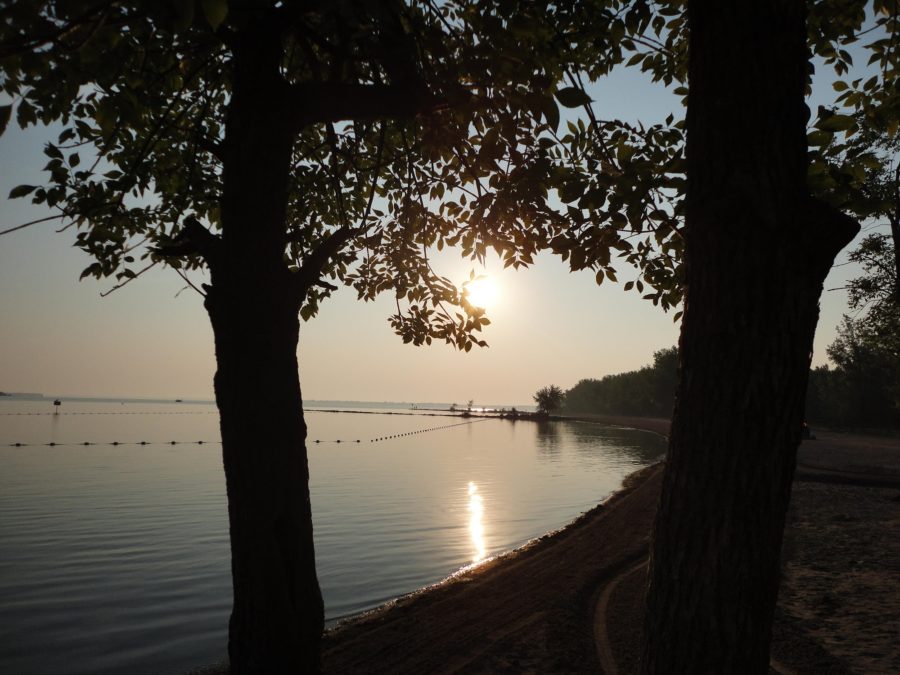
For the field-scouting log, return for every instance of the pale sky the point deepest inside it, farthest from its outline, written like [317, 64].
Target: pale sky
[549, 326]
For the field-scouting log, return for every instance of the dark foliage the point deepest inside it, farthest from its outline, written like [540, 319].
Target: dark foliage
[649, 391]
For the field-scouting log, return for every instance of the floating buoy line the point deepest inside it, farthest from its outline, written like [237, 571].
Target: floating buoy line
[408, 433]
[142, 412]
[54, 444]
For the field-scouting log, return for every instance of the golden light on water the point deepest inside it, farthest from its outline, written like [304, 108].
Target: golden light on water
[476, 526]
[482, 292]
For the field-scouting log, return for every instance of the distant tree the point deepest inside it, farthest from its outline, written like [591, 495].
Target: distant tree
[875, 298]
[863, 389]
[665, 381]
[548, 399]
[649, 391]
[866, 377]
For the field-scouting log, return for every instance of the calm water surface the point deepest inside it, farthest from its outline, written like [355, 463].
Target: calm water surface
[115, 559]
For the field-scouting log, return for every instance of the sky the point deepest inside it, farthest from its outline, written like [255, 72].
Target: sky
[152, 339]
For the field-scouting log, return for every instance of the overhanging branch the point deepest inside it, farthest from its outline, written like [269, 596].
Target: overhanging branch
[310, 271]
[192, 240]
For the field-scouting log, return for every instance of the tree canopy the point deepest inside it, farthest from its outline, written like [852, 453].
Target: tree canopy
[549, 399]
[431, 127]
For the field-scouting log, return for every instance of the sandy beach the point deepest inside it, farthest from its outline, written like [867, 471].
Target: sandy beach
[570, 602]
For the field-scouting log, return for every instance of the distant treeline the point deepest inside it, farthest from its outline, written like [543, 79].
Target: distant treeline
[648, 392]
[861, 392]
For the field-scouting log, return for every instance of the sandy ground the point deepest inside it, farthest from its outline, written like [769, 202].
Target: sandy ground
[570, 602]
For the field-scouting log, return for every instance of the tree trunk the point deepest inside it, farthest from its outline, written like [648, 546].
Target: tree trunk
[895, 241]
[757, 253]
[277, 619]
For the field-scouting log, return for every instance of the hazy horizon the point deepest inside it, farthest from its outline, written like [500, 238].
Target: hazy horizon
[50, 397]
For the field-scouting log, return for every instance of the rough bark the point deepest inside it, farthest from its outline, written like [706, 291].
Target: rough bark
[895, 240]
[277, 618]
[757, 252]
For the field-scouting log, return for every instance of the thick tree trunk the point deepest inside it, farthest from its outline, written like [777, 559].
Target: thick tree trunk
[758, 251]
[277, 618]
[895, 240]
[253, 302]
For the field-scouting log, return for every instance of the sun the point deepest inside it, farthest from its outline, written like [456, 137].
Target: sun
[481, 292]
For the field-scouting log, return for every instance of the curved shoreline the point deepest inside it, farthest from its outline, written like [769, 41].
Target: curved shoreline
[547, 606]
[522, 611]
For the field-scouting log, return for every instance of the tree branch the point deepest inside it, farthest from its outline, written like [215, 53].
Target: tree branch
[30, 223]
[311, 268]
[192, 240]
[127, 281]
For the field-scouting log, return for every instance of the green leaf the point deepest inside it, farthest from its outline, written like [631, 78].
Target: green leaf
[836, 123]
[551, 112]
[572, 97]
[635, 59]
[215, 11]
[21, 191]
[819, 138]
[624, 152]
[26, 113]
[5, 113]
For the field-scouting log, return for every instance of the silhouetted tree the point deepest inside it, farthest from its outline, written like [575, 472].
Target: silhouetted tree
[549, 399]
[280, 147]
[757, 250]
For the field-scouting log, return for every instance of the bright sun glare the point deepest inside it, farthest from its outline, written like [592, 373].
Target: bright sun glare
[482, 292]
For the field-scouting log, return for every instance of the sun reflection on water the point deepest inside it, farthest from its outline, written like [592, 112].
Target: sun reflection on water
[476, 527]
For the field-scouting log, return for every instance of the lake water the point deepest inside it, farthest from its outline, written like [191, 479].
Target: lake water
[115, 559]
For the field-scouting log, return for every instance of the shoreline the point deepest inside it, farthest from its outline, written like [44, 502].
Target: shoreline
[571, 600]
